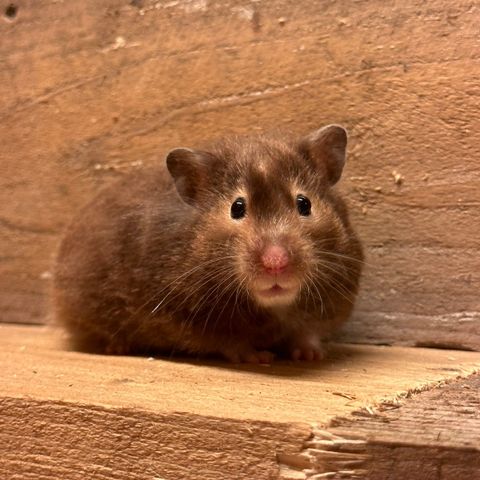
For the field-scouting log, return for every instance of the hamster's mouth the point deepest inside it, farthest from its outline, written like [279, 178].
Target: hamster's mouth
[274, 290]
[276, 294]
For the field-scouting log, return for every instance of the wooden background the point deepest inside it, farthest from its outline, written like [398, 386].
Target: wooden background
[92, 90]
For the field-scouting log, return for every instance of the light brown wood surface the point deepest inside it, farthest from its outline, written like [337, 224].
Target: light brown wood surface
[70, 415]
[90, 91]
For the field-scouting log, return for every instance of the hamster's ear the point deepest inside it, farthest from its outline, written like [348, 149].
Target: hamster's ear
[189, 169]
[327, 149]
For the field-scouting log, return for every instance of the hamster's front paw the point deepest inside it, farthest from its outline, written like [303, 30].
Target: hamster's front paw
[307, 347]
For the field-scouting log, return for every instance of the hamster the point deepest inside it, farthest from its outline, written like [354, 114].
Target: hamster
[242, 250]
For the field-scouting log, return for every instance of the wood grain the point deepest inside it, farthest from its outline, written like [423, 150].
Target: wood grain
[435, 434]
[72, 416]
[36, 362]
[71, 441]
[89, 92]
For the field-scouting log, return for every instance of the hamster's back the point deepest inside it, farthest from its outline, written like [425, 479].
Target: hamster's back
[103, 266]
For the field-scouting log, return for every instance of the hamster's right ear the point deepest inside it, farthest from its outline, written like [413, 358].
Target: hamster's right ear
[326, 148]
[189, 169]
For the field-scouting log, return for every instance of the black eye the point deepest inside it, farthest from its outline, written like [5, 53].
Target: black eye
[304, 206]
[239, 208]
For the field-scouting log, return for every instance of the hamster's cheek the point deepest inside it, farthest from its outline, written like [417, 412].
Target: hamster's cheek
[324, 229]
[221, 237]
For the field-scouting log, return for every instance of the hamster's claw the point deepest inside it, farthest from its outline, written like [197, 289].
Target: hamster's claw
[263, 357]
[307, 347]
[308, 354]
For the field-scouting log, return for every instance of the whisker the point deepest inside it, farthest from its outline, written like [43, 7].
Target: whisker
[338, 270]
[343, 256]
[226, 301]
[193, 290]
[340, 290]
[310, 284]
[189, 272]
[220, 295]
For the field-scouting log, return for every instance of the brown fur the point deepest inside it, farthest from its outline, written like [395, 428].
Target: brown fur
[143, 269]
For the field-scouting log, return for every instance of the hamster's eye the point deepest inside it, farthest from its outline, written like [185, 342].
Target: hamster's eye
[238, 208]
[304, 205]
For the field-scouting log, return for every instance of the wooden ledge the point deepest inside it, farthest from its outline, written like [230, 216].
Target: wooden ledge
[69, 415]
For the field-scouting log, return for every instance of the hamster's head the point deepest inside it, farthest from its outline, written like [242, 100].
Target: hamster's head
[268, 220]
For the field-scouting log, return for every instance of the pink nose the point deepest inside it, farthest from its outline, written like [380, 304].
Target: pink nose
[275, 259]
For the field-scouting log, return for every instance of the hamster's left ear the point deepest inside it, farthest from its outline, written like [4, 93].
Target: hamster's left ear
[190, 170]
[326, 148]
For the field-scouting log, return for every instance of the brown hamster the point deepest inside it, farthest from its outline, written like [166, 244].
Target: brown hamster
[242, 250]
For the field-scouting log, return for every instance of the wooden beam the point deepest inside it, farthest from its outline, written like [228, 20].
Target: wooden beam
[67, 414]
[91, 91]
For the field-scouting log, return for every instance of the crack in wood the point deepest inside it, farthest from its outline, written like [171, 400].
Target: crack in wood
[325, 455]
[26, 228]
[46, 96]
[228, 100]
[336, 453]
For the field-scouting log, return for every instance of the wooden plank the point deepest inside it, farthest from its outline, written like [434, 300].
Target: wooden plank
[104, 89]
[241, 391]
[435, 434]
[72, 441]
[65, 414]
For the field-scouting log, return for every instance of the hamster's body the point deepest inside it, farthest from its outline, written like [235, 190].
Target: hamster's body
[240, 251]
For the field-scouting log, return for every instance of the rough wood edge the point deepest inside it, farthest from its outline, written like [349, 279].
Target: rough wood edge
[332, 453]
